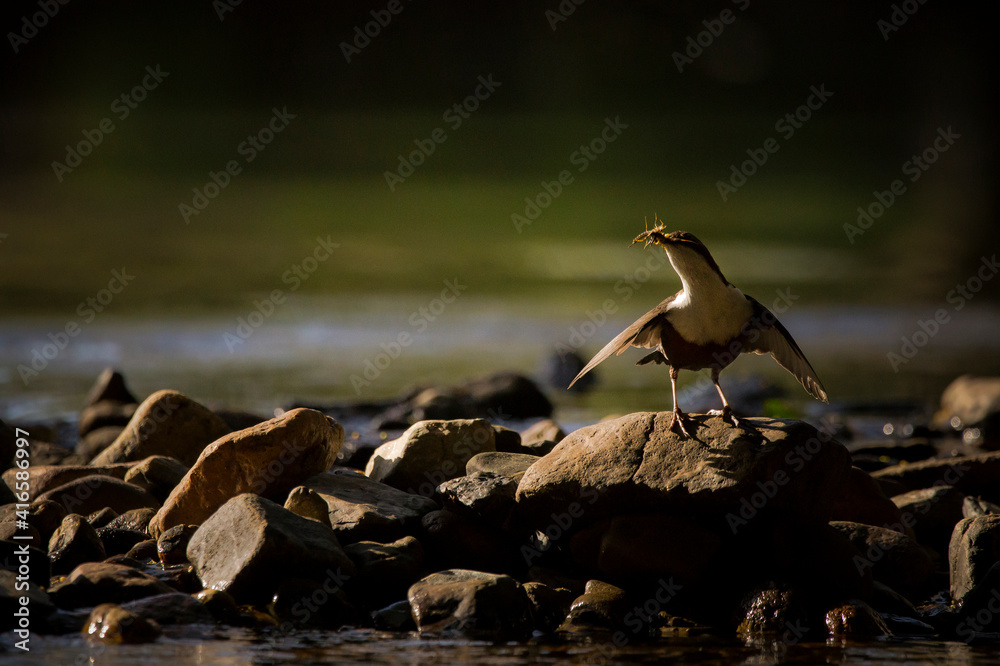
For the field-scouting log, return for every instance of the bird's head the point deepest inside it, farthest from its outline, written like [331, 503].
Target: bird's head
[659, 236]
[686, 252]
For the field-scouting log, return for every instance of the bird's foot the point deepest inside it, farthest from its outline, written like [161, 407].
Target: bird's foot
[677, 423]
[726, 414]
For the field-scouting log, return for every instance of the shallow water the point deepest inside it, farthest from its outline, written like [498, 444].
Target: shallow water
[321, 350]
[314, 647]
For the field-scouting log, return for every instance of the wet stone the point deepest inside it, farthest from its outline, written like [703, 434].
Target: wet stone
[74, 543]
[172, 544]
[110, 623]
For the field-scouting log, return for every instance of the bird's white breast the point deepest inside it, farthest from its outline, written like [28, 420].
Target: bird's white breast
[713, 317]
[707, 310]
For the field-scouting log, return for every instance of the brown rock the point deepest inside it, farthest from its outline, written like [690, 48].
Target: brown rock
[512, 465]
[385, 571]
[92, 493]
[471, 603]
[546, 429]
[601, 606]
[11, 527]
[171, 608]
[172, 544]
[933, 514]
[506, 440]
[101, 517]
[773, 609]
[135, 519]
[973, 475]
[74, 543]
[110, 623]
[12, 593]
[44, 454]
[893, 558]
[118, 541]
[144, 551]
[430, 453]
[46, 477]
[635, 464]
[856, 619]
[549, 605]
[99, 582]
[487, 497]
[220, 604]
[97, 440]
[540, 438]
[110, 387]
[46, 517]
[167, 423]
[157, 474]
[250, 545]
[309, 504]
[364, 510]
[977, 506]
[268, 459]
[975, 547]
[644, 546]
[861, 500]
[104, 414]
[969, 399]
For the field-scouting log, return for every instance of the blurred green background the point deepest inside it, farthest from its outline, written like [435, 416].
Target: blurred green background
[324, 176]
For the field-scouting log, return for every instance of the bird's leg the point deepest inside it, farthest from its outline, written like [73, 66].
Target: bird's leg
[677, 417]
[726, 412]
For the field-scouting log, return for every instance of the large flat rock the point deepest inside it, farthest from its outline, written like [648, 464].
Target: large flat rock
[635, 464]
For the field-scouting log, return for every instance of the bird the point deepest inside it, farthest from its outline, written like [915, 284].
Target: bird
[707, 324]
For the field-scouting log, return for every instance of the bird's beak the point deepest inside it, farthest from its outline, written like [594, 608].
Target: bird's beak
[654, 235]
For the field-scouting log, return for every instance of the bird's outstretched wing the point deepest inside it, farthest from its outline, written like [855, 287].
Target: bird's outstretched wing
[766, 335]
[645, 332]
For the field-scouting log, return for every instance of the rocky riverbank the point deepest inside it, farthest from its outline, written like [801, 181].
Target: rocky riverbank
[440, 520]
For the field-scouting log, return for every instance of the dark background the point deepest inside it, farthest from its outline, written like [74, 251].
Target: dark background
[324, 174]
